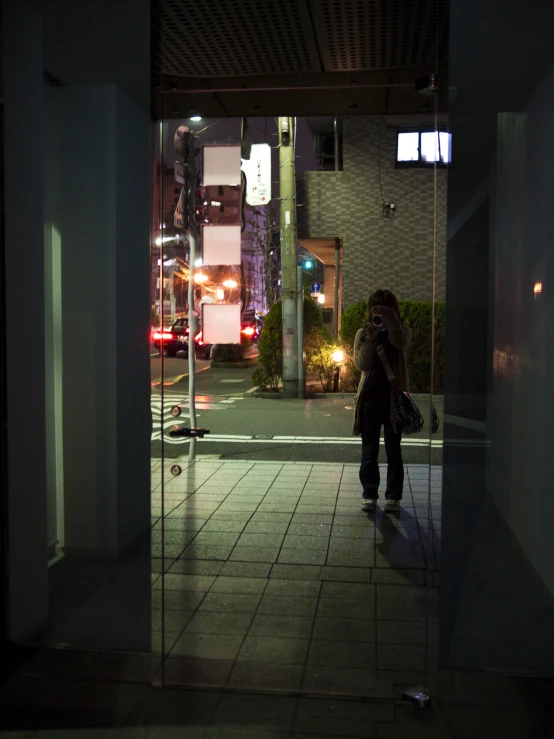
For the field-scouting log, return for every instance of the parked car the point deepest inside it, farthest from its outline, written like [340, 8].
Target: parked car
[176, 339]
[251, 325]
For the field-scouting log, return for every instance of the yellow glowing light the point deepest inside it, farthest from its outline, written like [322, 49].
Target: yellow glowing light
[538, 288]
[338, 356]
[220, 294]
[321, 298]
[200, 277]
[230, 283]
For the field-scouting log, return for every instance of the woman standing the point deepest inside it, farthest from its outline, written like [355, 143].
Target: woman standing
[383, 331]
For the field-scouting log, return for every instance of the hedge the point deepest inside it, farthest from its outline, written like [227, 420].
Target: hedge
[231, 352]
[318, 348]
[417, 315]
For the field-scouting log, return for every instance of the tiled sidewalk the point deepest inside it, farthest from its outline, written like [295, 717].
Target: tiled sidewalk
[242, 618]
[276, 580]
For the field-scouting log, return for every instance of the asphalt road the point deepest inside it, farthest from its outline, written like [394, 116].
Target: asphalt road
[173, 369]
[244, 427]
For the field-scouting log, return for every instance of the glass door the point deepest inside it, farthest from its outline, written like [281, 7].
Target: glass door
[267, 572]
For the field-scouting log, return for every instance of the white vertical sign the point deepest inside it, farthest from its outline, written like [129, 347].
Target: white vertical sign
[258, 175]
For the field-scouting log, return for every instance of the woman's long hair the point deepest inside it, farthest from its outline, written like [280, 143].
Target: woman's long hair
[383, 297]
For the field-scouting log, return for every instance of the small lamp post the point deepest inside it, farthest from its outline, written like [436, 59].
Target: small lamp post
[338, 359]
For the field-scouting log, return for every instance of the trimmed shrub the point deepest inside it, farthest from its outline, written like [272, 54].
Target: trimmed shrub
[268, 375]
[231, 352]
[321, 360]
[352, 320]
[227, 353]
[417, 315]
[318, 348]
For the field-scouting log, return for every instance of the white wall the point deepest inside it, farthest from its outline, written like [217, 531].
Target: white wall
[522, 402]
[53, 315]
[98, 185]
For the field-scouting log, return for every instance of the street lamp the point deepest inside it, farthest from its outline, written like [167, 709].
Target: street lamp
[321, 298]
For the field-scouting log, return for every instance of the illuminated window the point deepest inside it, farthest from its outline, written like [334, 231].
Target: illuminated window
[423, 148]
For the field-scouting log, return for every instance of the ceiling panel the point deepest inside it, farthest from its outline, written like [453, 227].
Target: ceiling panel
[297, 57]
[213, 39]
[230, 38]
[364, 35]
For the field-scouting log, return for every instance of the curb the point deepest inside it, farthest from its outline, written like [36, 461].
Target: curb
[330, 395]
[255, 393]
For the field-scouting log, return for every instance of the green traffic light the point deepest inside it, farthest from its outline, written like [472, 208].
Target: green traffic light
[308, 264]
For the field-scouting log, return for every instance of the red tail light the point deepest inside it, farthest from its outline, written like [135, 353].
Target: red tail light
[163, 336]
[248, 331]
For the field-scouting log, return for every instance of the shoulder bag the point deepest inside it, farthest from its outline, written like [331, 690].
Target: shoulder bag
[407, 418]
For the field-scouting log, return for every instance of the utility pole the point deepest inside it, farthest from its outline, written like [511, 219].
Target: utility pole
[186, 153]
[192, 324]
[336, 312]
[300, 320]
[288, 258]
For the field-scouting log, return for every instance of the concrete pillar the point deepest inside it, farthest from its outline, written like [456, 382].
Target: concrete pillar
[100, 216]
[25, 326]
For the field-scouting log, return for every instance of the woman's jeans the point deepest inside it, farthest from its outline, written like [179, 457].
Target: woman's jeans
[376, 414]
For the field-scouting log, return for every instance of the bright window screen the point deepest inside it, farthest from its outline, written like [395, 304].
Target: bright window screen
[221, 245]
[221, 324]
[428, 144]
[433, 142]
[221, 165]
[408, 147]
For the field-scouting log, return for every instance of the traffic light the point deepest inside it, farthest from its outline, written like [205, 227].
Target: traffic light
[308, 264]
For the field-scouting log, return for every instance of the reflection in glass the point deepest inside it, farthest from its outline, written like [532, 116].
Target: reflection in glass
[408, 147]
[436, 146]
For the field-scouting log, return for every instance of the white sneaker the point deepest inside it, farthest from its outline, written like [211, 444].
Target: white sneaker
[368, 504]
[392, 505]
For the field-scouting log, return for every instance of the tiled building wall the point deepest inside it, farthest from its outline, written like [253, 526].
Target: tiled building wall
[392, 253]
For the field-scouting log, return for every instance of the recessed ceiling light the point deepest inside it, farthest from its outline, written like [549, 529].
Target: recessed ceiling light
[196, 118]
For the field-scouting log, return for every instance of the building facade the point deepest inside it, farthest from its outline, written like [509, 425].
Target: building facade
[396, 253]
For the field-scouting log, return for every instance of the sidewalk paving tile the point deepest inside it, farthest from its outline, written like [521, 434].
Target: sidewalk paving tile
[246, 569]
[263, 676]
[292, 627]
[217, 622]
[284, 588]
[254, 554]
[302, 556]
[282, 581]
[289, 605]
[230, 602]
[245, 585]
[274, 650]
